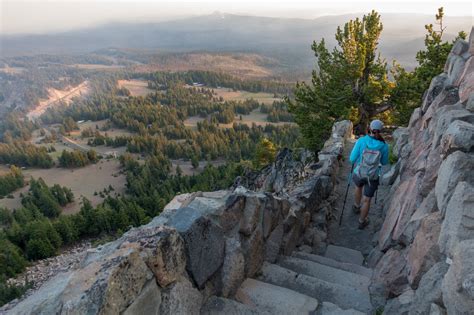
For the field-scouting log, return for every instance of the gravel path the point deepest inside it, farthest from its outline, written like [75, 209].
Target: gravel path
[348, 234]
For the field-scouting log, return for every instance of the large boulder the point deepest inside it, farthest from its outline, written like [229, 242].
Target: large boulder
[427, 206]
[403, 204]
[400, 305]
[390, 274]
[148, 302]
[400, 138]
[233, 272]
[204, 243]
[252, 214]
[429, 290]
[466, 87]
[458, 136]
[181, 298]
[424, 252]
[458, 224]
[457, 167]
[458, 284]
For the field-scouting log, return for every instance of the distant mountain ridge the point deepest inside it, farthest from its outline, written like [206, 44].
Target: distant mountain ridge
[288, 39]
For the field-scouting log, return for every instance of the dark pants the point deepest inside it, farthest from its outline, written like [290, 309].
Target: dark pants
[369, 186]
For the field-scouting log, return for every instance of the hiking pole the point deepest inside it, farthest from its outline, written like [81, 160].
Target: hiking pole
[376, 196]
[347, 191]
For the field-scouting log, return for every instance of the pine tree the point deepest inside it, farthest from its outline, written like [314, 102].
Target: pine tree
[352, 77]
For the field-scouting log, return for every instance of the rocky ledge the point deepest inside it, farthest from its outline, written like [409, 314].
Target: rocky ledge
[424, 260]
[203, 243]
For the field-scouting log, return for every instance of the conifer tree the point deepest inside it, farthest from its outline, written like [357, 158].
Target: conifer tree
[351, 77]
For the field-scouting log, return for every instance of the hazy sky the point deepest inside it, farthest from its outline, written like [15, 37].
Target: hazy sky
[40, 16]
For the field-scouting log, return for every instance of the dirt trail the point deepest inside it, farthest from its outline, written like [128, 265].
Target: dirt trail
[57, 96]
[348, 234]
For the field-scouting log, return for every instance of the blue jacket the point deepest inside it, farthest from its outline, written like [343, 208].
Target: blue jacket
[371, 143]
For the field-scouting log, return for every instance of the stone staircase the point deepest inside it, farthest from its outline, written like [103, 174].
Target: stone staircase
[303, 283]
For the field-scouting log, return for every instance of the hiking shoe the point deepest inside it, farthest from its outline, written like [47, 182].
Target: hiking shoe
[356, 209]
[362, 225]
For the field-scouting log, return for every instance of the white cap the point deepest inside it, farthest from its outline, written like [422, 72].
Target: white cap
[376, 125]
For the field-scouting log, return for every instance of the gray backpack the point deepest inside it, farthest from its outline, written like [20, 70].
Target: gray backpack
[369, 165]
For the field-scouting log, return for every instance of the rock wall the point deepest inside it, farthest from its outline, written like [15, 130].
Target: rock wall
[203, 244]
[425, 251]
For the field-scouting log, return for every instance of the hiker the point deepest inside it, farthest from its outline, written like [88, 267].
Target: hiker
[368, 153]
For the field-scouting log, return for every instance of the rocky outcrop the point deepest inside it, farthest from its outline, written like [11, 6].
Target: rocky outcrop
[428, 232]
[203, 244]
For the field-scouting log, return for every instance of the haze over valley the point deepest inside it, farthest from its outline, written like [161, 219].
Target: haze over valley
[119, 114]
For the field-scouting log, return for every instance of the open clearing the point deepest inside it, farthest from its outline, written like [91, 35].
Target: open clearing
[136, 87]
[82, 181]
[255, 117]
[96, 66]
[59, 96]
[231, 95]
[237, 64]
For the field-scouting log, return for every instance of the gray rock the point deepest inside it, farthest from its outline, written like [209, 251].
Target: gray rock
[273, 244]
[165, 256]
[457, 298]
[470, 103]
[325, 272]
[334, 263]
[344, 254]
[204, 243]
[471, 42]
[435, 309]
[254, 251]
[217, 306]
[400, 305]
[460, 47]
[272, 215]
[332, 309]
[458, 136]
[275, 299]
[231, 214]
[148, 302]
[180, 298]
[446, 118]
[390, 274]
[427, 206]
[457, 167]
[252, 215]
[429, 289]
[458, 224]
[233, 269]
[342, 129]
[389, 177]
[455, 67]
[436, 86]
[180, 201]
[400, 137]
[424, 252]
[346, 297]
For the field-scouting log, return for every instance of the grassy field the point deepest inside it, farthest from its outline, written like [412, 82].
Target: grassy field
[136, 87]
[230, 95]
[96, 66]
[255, 117]
[82, 181]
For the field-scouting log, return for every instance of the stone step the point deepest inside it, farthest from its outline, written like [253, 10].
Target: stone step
[274, 299]
[361, 270]
[326, 273]
[346, 297]
[332, 309]
[219, 305]
[344, 254]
